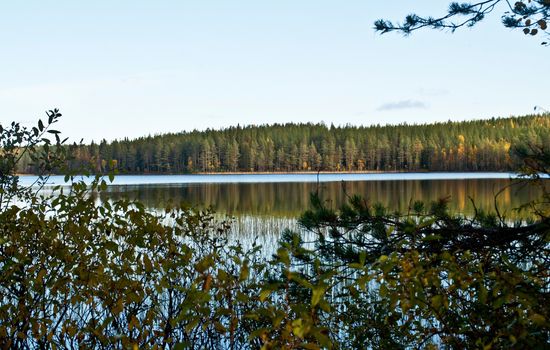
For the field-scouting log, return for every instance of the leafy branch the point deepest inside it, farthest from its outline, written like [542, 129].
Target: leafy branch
[531, 16]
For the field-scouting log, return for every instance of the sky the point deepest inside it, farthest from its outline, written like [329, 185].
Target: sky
[131, 68]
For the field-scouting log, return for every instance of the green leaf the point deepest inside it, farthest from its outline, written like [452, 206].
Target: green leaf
[112, 246]
[316, 295]
[432, 238]
[283, 256]
[362, 258]
[244, 272]
[437, 301]
[257, 333]
[264, 294]
[182, 346]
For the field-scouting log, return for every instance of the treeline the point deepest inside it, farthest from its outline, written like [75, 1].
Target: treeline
[480, 145]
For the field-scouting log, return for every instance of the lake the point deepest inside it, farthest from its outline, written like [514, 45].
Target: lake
[262, 206]
[277, 178]
[287, 195]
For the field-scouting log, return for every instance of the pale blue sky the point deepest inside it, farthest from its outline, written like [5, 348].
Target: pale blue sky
[132, 68]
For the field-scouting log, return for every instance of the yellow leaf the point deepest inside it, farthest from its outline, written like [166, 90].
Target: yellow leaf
[207, 283]
[298, 328]
[40, 275]
[538, 319]
[118, 307]
[147, 264]
[134, 323]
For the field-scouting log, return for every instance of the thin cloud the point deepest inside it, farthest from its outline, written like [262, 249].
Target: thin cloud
[432, 92]
[405, 104]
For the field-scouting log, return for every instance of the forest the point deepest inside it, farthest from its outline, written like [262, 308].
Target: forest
[478, 145]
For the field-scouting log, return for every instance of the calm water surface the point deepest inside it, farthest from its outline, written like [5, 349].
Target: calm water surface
[264, 205]
[273, 178]
[287, 195]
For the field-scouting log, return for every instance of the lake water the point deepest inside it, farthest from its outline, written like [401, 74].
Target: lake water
[261, 206]
[287, 195]
[277, 178]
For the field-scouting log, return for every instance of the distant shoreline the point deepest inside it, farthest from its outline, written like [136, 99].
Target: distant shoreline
[326, 172]
[294, 173]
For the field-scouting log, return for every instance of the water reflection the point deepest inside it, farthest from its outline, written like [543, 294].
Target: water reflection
[290, 199]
